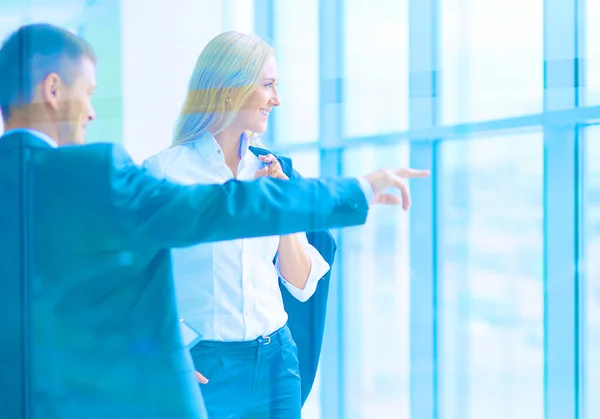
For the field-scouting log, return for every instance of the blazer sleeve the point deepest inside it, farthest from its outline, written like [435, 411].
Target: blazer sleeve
[154, 212]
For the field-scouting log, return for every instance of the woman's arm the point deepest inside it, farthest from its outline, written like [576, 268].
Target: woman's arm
[294, 260]
[300, 266]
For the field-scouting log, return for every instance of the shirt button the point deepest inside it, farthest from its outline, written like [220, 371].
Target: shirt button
[218, 151]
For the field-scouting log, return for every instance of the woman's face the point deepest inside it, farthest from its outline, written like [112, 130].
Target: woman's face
[254, 114]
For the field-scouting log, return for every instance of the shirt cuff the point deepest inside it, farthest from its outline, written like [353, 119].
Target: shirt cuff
[367, 189]
[318, 269]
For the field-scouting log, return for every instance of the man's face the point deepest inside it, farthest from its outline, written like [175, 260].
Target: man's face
[73, 107]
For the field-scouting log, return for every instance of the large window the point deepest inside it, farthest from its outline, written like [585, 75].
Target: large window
[491, 279]
[591, 288]
[492, 56]
[297, 51]
[592, 53]
[376, 66]
[306, 162]
[376, 272]
[238, 15]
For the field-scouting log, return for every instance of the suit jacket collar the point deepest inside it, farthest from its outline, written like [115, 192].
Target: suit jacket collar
[28, 137]
[39, 134]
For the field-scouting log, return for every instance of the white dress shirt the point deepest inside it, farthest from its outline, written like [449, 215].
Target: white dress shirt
[229, 290]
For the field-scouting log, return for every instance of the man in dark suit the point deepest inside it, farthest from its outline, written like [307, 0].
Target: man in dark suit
[87, 309]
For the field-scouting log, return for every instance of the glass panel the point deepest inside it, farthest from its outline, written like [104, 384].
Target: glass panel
[491, 331]
[312, 407]
[376, 299]
[297, 50]
[592, 53]
[492, 56]
[306, 162]
[238, 15]
[376, 66]
[105, 28]
[592, 283]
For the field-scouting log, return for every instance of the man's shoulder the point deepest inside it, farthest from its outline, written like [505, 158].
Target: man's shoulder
[107, 150]
[21, 139]
[96, 153]
[78, 161]
[44, 153]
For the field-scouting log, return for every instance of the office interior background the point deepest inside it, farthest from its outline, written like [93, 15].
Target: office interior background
[483, 301]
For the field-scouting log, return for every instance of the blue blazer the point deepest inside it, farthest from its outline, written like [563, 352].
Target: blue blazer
[88, 314]
[307, 320]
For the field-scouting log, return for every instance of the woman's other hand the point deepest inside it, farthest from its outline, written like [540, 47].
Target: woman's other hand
[272, 168]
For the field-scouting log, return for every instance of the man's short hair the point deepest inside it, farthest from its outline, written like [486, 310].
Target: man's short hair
[33, 52]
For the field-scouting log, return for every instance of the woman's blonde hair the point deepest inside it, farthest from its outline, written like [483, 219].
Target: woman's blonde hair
[227, 72]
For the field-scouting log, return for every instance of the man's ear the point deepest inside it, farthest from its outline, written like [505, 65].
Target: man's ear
[51, 90]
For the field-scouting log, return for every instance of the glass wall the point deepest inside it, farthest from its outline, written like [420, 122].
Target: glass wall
[591, 54]
[298, 59]
[591, 292]
[491, 341]
[492, 55]
[376, 299]
[375, 46]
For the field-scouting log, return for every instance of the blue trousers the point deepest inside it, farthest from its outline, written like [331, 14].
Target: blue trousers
[257, 379]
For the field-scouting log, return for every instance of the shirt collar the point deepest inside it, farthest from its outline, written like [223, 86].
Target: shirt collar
[41, 135]
[208, 145]
[244, 144]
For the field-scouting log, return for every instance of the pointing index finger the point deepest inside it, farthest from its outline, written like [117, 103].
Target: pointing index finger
[412, 173]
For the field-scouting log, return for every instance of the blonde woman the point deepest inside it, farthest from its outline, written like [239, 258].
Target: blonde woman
[229, 291]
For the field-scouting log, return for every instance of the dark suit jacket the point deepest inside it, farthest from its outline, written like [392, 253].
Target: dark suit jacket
[85, 273]
[307, 320]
